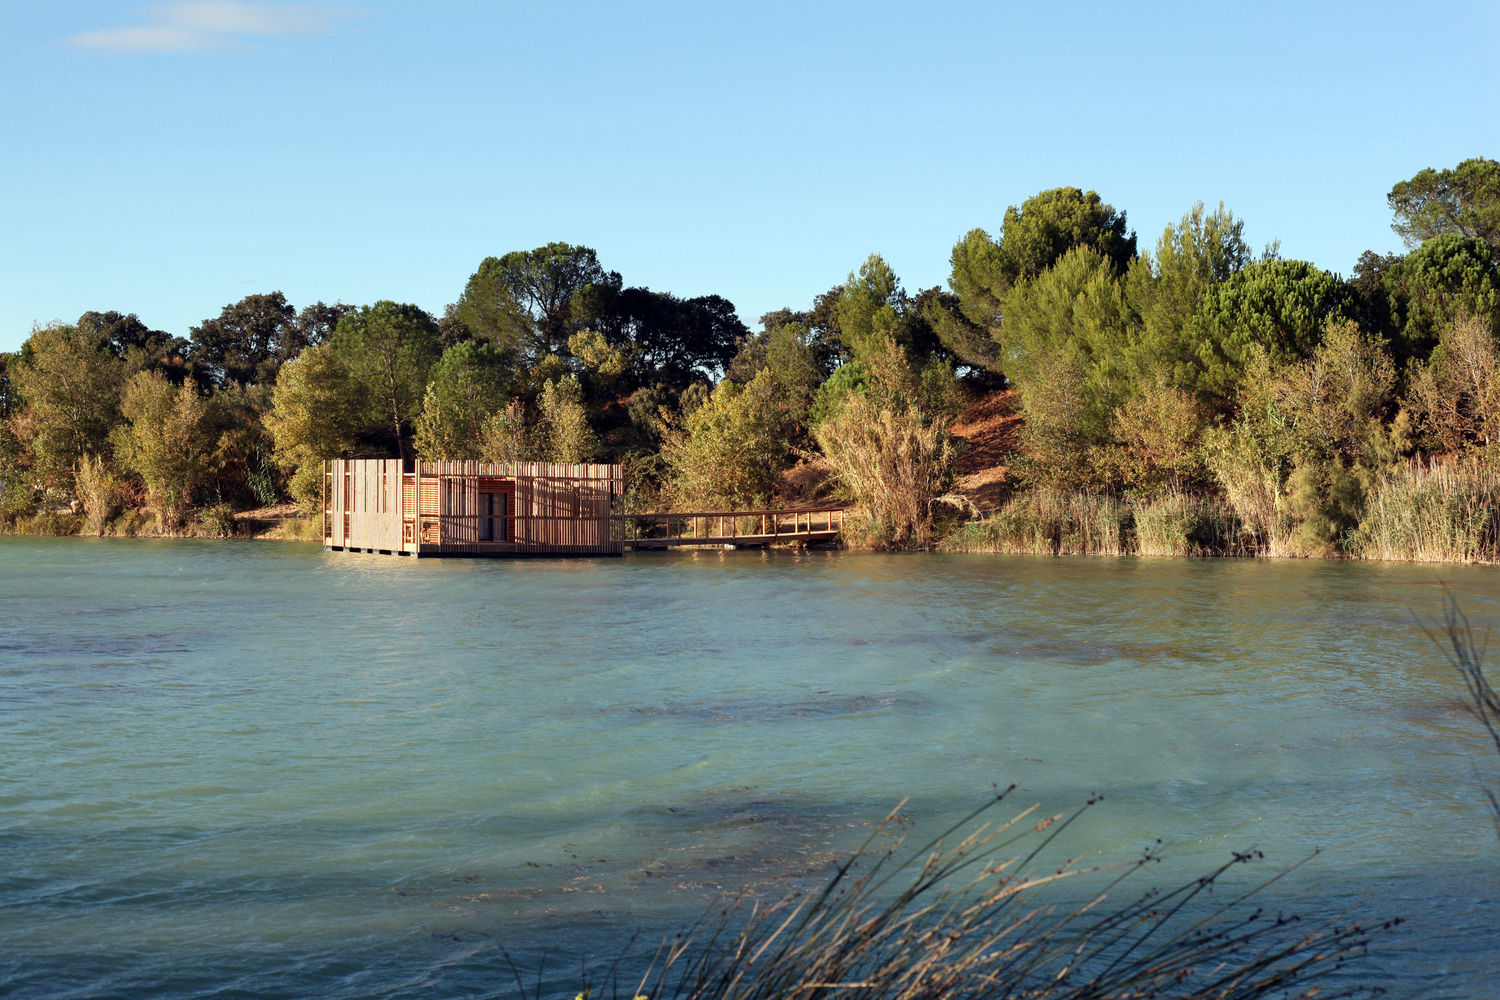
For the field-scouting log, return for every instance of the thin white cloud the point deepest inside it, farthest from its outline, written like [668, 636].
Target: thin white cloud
[208, 25]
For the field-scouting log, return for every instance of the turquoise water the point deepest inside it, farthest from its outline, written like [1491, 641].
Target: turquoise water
[259, 769]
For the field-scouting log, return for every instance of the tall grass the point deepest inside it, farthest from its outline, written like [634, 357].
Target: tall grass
[1050, 522]
[1180, 524]
[99, 493]
[894, 463]
[981, 917]
[1435, 512]
[1466, 654]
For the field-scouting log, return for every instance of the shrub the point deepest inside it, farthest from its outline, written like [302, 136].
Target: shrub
[306, 487]
[165, 443]
[99, 492]
[894, 464]
[734, 447]
[217, 520]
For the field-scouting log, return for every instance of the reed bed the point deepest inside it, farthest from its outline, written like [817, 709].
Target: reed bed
[981, 918]
[1180, 524]
[1435, 512]
[1048, 522]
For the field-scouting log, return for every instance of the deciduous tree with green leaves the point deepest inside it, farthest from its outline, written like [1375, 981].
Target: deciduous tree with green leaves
[466, 387]
[166, 441]
[71, 381]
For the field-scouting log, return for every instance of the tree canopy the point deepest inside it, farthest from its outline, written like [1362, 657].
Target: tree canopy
[1032, 239]
[533, 300]
[391, 348]
[1462, 201]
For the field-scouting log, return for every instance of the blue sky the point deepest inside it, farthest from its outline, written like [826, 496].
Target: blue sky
[167, 159]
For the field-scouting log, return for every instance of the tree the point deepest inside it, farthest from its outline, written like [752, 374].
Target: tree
[1032, 239]
[466, 387]
[242, 462]
[1463, 201]
[1378, 303]
[248, 342]
[10, 393]
[1456, 394]
[564, 432]
[871, 306]
[315, 325]
[822, 325]
[71, 381]
[1051, 223]
[1282, 306]
[1411, 300]
[680, 340]
[317, 408]
[735, 446]
[452, 330]
[165, 442]
[533, 300]
[964, 339]
[390, 348]
[1448, 277]
[1065, 339]
[142, 347]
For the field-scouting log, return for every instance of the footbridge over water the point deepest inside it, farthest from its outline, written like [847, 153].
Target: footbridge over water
[737, 528]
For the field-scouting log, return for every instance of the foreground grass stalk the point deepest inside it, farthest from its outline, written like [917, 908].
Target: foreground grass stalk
[972, 918]
[1466, 653]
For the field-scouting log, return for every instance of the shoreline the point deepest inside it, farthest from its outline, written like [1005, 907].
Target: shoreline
[290, 529]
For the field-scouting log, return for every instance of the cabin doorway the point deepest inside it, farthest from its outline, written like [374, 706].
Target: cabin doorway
[492, 515]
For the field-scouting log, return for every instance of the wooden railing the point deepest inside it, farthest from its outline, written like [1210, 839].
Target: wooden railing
[750, 527]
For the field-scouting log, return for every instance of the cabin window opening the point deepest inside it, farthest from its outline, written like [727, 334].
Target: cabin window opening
[492, 517]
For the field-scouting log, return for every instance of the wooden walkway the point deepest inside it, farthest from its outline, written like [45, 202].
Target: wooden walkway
[739, 529]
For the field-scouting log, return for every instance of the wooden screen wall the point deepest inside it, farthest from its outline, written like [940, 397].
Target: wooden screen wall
[362, 504]
[550, 508]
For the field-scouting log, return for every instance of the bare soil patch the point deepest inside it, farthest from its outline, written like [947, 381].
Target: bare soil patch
[991, 426]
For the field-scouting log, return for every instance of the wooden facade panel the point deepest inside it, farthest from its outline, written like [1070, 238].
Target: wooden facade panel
[453, 508]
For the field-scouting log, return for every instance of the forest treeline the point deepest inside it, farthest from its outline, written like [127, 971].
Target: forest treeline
[1187, 394]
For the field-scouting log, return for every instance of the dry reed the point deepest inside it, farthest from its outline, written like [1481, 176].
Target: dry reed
[1435, 512]
[1180, 524]
[974, 920]
[1050, 522]
[895, 464]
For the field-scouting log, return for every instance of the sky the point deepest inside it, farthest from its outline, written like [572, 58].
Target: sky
[168, 159]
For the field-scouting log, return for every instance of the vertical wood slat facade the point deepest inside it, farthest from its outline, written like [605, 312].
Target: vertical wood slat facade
[470, 508]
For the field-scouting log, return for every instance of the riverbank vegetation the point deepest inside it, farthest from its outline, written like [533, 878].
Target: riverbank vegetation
[1072, 389]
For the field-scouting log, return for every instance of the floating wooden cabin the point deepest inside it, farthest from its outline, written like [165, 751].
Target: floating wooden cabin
[470, 508]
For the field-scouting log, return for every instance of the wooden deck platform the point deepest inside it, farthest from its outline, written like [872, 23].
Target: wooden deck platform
[740, 529]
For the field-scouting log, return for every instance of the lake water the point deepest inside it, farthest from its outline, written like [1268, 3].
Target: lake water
[258, 769]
